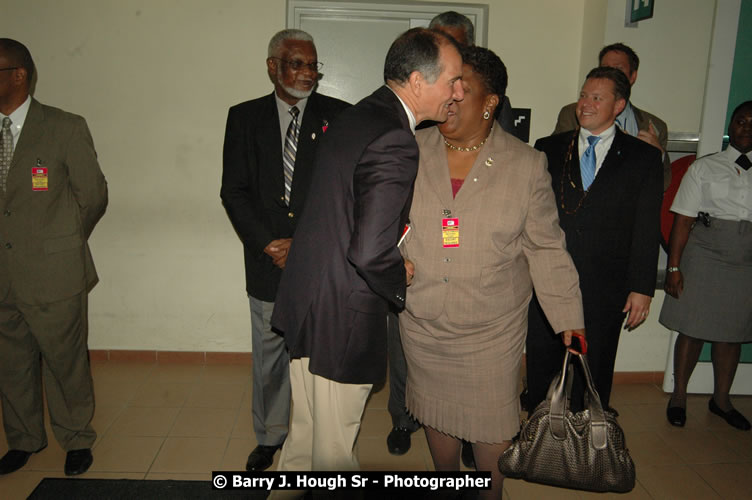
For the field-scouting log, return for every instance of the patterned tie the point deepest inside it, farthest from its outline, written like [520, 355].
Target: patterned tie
[6, 151]
[587, 162]
[291, 147]
[743, 161]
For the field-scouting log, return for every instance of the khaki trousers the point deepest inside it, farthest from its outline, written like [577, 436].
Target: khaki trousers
[324, 425]
[58, 333]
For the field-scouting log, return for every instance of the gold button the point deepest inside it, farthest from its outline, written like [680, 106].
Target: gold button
[290, 215]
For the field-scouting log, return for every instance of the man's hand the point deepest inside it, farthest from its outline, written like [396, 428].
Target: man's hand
[277, 250]
[638, 307]
[409, 271]
[650, 136]
[566, 338]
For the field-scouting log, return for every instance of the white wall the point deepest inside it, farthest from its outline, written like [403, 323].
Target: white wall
[155, 79]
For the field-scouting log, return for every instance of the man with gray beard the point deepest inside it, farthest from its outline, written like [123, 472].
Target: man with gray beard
[270, 143]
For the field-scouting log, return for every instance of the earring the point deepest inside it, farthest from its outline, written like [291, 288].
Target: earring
[486, 115]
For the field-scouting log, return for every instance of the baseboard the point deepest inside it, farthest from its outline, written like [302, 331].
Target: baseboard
[184, 357]
[244, 358]
[638, 378]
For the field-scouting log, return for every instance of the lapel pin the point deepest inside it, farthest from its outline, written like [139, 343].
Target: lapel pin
[489, 161]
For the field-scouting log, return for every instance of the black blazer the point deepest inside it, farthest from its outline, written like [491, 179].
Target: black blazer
[613, 237]
[253, 180]
[344, 268]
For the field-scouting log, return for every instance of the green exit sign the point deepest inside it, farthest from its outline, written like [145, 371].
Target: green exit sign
[641, 9]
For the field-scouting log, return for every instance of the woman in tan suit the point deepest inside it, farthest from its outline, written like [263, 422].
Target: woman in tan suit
[484, 231]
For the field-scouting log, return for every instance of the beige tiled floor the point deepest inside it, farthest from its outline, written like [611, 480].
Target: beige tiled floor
[181, 421]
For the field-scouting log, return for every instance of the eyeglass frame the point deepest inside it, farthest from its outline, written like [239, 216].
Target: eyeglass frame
[9, 69]
[298, 65]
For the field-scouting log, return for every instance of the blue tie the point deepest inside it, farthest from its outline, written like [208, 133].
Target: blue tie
[587, 162]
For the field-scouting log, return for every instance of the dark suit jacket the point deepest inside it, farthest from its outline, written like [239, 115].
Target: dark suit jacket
[253, 180]
[44, 253]
[613, 239]
[344, 268]
[567, 121]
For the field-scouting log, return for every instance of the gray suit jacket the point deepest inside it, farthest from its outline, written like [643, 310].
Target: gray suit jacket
[567, 121]
[44, 254]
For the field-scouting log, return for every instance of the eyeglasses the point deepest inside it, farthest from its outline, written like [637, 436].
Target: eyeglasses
[8, 69]
[298, 65]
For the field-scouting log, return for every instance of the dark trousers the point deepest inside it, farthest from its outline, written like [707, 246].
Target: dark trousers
[397, 377]
[58, 334]
[545, 353]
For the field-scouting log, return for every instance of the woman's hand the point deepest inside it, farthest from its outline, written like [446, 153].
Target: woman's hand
[566, 338]
[674, 284]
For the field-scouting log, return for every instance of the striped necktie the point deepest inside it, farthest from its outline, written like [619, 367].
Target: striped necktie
[291, 148]
[587, 162]
[6, 151]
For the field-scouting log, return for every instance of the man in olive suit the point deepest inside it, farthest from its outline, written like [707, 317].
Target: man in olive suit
[52, 194]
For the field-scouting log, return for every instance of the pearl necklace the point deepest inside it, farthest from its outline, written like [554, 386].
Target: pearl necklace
[470, 149]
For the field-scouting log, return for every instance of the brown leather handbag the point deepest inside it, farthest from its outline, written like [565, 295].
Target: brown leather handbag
[584, 450]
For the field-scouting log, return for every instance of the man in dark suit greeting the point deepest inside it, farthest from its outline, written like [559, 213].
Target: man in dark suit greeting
[52, 194]
[267, 166]
[344, 268]
[608, 185]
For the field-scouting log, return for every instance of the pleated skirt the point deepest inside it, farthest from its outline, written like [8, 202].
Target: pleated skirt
[463, 380]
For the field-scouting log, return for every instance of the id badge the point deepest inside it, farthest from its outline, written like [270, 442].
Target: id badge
[39, 179]
[450, 232]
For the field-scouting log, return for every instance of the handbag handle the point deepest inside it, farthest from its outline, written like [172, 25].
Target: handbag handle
[559, 393]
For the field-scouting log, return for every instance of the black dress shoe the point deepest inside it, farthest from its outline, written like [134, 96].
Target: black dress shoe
[468, 459]
[676, 415]
[398, 441]
[13, 460]
[732, 417]
[78, 461]
[261, 458]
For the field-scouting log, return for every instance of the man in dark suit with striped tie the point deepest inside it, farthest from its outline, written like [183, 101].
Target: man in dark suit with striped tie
[269, 147]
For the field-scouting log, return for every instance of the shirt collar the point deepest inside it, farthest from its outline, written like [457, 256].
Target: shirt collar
[18, 117]
[410, 116]
[605, 135]
[283, 107]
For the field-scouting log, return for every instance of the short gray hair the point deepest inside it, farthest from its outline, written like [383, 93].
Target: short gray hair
[275, 44]
[452, 19]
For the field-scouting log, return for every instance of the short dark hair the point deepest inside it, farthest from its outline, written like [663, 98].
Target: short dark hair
[18, 55]
[452, 19]
[416, 49]
[634, 61]
[745, 104]
[622, 89]
[491, 70]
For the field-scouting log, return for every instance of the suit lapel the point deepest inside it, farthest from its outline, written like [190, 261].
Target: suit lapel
[268, 142]
[31, 134]
[613, 161]
[489, 163]
[311, 131]
[437, 167]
